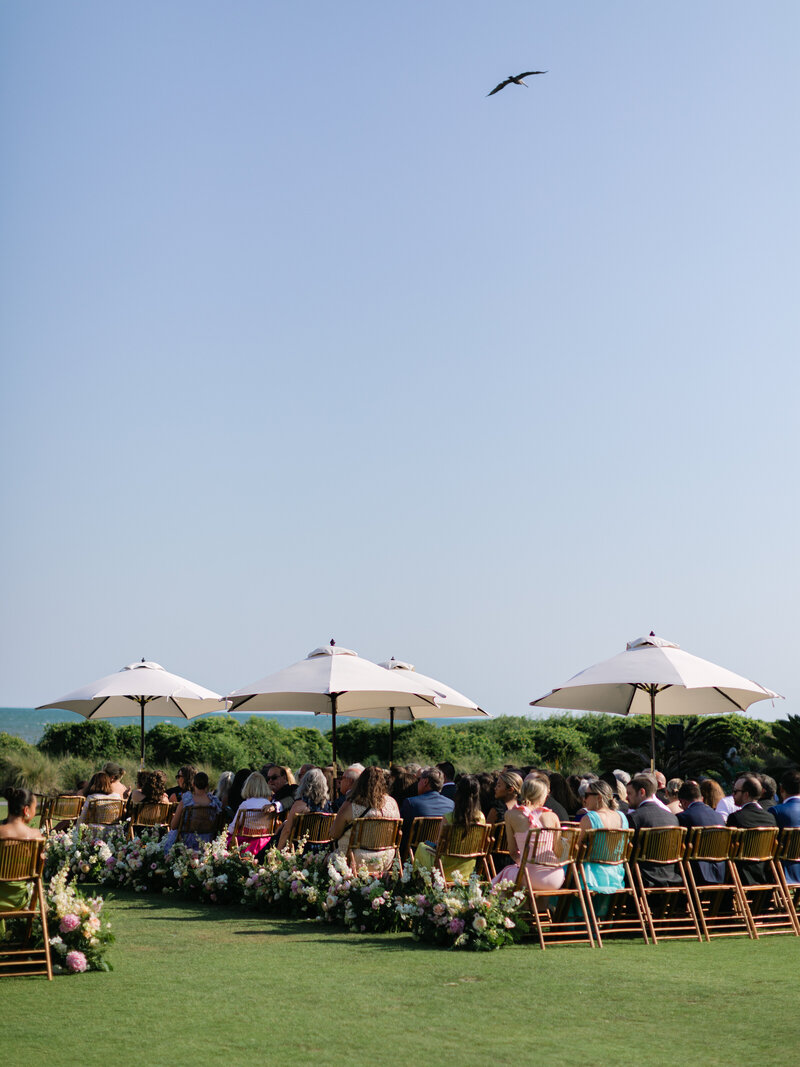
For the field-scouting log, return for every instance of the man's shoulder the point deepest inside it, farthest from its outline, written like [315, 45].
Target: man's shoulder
[651, 815]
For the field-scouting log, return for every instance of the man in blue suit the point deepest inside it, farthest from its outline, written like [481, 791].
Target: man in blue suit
[788, 814]
[428, 802]
[696, 813]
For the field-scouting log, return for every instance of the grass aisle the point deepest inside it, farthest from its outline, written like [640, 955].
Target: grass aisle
[190, 983]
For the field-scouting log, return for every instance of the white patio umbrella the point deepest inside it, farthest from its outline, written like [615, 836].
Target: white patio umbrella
[146, 684]
[657, 676]
[332, 681]
[450, 703]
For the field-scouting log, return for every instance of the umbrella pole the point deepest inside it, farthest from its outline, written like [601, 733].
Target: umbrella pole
[141, 706]
[334, 698]
[652, 728]
[391, 737]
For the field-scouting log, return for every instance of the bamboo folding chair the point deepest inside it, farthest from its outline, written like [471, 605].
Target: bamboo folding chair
[59, 809]
[199, 819]
[146, 815]
[315, 826]
[254, 823]
[611, 848]
[373, 834]
[423, 828]
[23, 861]
[557, 919]
[789, 852]
[462, 844]
[720, 907]
[104, 812]
[499, 855]
[668, 907]
[768, 905]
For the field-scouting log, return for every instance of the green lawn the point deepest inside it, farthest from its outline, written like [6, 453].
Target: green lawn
[191, 985]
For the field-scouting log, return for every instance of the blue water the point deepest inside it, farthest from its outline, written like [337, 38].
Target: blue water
[29, 723]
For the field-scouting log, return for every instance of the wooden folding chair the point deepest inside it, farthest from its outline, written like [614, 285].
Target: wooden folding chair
[670, 907]
[254, 823]
[622, 913]
[315, 826]
[422, 829]
[560, 915]
[23, 862]
[54, 810]
[499, 855]
[720, 909]
[789, 853]
[104, 812]
[373, 834]
[768, 905]
[199, 819]
[462, 844]
[146, 815]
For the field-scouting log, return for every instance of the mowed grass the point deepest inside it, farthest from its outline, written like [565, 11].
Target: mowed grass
[192, 983]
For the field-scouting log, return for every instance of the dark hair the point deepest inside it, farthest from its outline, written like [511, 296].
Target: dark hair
[561, 791]
[100, 783]
[237, 785]
[689, 791]
[113, 770]
[447, 769]
[200, 781]
[187, 773]
[711, 792]
[467, 803]
[18, 799]
[790, 783]
[750, 785]
[152, 784]
[370, 789]
[402, 780]
[768, 785]
[645, 782]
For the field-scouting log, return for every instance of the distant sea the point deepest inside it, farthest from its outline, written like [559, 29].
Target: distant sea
[29, 723]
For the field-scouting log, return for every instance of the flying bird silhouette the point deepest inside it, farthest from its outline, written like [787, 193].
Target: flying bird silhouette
[516, 79]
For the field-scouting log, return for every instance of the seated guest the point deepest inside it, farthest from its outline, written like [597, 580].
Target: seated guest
[787, 813]
[413, 773]
[185, 778]
[466, 811]
[198, 797]
[116, 773]
[486, 784]
[448, 786]
[150, 788]
[255, 797]
[647, 811]
[769, 790]
[350, 776]
[695, 813]
[368, 798]
[714, 796]
[746, 793]
[401, 780]
[237, 785]
[560, 790]
[17, 827]
[99, 789]
[223, 789]
[506, 794]
[671, 792]
[527, 815]
[617, 788]
[284, 788]
[428, 802]
[312, 795]
[602, 813]
[550, 801]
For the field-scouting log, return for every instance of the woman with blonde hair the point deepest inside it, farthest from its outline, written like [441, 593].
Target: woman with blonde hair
[528, 815]
[506, 791]
[255, 797]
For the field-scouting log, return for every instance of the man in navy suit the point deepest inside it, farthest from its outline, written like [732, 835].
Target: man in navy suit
[428, 802]
[696, 813]
[788, 814]
[746, 791]
[645, 813]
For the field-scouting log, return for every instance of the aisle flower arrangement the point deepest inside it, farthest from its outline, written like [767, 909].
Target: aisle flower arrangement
[78, 936]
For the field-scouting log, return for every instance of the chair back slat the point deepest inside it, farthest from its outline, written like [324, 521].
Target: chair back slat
[606, 846]
[500, 838]
[551, 848]
[659, 844]
[425, 828]
[20, 860]
[757, 843]
[147, 814]
[199, 819]
[464, 842]
[66, 807]
[255, 822]
[315, 826]
[373, 834]
[104, 812]
[711, 843]
[789, 845]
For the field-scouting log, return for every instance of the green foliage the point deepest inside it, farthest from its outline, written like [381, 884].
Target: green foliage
[786, 734]
[12, 743]
[93, 739]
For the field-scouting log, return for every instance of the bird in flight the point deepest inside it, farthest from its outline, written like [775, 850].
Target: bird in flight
[516, 79]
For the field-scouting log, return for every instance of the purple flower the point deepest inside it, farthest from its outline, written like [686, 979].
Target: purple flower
[456, 926]
[76, 962]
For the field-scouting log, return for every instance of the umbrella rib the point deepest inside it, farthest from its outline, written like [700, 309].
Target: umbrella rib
[95, 710]
[722, 693]
[180, 709]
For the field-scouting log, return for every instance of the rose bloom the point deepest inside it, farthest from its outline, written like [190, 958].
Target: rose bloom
[479, 923]
[438, 909]
[69, 923]
[76, 962]
[456, 926]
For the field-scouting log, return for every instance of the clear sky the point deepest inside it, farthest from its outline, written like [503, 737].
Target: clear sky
[305, 337]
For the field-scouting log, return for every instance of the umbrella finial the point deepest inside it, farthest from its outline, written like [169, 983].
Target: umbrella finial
[332, 642]
[652, 633]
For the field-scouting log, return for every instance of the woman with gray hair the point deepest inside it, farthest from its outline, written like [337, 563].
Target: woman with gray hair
[312, 795]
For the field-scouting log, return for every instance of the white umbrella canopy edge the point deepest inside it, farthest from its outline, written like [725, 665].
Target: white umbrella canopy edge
[146, 684]
[652, 669]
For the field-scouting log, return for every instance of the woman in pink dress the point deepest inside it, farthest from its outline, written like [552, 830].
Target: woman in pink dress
[530, 814]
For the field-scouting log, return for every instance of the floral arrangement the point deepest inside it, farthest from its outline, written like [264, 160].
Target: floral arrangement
[465, 915]
[78, 936]
[84, 850]
[289, 883]
[216, 873]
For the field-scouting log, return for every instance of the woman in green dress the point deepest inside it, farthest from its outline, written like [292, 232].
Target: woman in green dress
[466, 811]
[16, 827]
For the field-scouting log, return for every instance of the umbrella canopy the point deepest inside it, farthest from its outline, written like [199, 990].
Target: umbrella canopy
[146, 684]
[657, 676]
[332, 681]
[449, 704]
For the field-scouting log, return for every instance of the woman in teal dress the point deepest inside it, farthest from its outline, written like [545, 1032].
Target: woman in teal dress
[602, 814]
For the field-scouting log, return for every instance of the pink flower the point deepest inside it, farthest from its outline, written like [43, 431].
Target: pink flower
[456, 926]
[438, 909]
[68, 923]
[76, 962]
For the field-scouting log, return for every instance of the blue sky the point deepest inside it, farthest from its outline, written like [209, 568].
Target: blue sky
[304, 337]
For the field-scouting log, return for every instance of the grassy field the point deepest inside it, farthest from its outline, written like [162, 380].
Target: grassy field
[190, 983]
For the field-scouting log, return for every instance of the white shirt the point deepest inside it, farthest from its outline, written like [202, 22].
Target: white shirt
[254, 804]
[726, 806]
